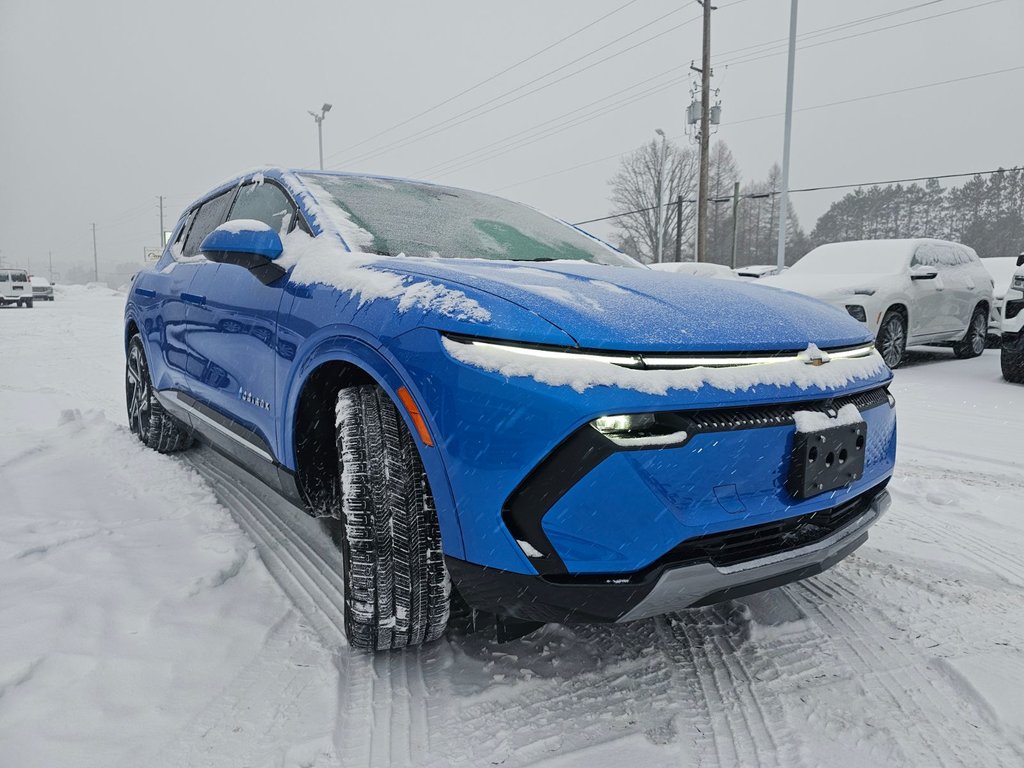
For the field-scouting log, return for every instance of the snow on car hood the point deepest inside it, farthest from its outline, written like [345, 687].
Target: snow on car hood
[621, 308]
[825, 287]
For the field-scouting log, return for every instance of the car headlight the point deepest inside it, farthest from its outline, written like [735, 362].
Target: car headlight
[1018, 282]
[642, 430]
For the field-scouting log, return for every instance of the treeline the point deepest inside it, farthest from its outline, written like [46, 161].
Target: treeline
[986, 213]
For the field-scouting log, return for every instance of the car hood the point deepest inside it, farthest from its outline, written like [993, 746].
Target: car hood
[628, 309]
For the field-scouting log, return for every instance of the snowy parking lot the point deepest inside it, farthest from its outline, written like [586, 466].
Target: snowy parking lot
[158, 611]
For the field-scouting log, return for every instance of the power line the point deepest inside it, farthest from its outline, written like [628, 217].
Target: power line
[486, 80]
[466, 115]
[747, 60]
[765, 195]
[882, 93]
[518, 141]
[749, 50]
[825, 105]
[512, 143]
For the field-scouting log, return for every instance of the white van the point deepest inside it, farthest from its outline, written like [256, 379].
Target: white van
[15, 287]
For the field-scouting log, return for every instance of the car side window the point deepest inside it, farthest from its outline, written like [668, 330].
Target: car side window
[264, 202]
[925, 256]
[207, 218]
[3, 277]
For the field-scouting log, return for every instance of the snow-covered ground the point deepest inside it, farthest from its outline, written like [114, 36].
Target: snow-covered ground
[157, 611]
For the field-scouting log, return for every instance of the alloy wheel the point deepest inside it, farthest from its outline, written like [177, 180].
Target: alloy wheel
[979, 328]
[893, 341]
[138, 391]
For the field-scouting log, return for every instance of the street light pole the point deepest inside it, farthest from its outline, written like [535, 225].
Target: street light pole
[784, 199]
[320, 129]
[661, 193]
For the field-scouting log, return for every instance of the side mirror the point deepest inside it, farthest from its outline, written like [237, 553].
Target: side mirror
[923, 273]
[1020, 260]
[246, 243]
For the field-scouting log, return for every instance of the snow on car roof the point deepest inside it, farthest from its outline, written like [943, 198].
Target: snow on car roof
[857, 256]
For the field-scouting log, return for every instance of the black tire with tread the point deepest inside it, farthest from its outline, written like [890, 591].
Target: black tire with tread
[1013, 366]
[397, 589]
[884, 330]
[153, 425]
[973, 342]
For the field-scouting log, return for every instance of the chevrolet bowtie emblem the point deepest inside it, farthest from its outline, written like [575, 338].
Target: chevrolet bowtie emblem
[814, 356]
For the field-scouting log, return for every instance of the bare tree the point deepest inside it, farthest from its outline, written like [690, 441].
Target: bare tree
[634, 194]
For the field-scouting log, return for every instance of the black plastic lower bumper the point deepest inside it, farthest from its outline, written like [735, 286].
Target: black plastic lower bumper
[667, 585]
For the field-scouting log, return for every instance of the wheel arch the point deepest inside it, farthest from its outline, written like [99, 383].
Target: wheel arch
[308, 429]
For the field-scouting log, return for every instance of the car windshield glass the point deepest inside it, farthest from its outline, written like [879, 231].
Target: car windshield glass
[881, 258]
[405, 218]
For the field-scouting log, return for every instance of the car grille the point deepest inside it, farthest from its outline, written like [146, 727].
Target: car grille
[758, 541]
[725, 419]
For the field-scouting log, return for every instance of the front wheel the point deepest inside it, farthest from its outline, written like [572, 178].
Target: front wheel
[973, 343]
[146, 417]
[397, 589]
[891, 341]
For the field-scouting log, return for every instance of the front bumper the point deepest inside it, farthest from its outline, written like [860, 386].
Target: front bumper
[666, 586]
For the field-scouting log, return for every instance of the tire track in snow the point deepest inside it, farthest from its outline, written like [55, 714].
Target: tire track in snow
[745, 716]
[310, 579]
[379, 721]
[915, 700]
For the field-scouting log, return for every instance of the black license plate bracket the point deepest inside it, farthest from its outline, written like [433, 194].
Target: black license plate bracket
[826, 459]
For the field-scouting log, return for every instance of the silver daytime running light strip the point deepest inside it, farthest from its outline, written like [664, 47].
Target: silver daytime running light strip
[637, 360]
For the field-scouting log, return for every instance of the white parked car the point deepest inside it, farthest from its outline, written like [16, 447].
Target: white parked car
[42, 289]
[15, 287]
[696, 268]
[1002, 269]
[906, 291]
[757, 271]
[1012, 354]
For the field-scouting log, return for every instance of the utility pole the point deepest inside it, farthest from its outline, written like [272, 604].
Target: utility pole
[735, 219]
[705, 134]
[95, 258]
[161, 240]
[50, 253]
[784, 201]
[679, 228]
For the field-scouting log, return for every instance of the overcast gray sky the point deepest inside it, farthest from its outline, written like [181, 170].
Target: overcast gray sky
[105, 105]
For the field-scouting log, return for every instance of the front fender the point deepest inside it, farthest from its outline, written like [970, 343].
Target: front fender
[348, 344]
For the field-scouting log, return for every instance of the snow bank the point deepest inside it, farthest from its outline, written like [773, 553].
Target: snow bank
[581, 375]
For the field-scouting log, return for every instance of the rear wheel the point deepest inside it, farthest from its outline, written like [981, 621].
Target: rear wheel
[973, 343]
[1013, 366]
[146, 417]
[397, 589]
[28, 303]
[891, 341]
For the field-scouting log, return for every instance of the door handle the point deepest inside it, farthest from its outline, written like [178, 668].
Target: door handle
[192, 298]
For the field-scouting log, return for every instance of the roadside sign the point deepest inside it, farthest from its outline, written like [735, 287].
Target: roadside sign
[152, 254]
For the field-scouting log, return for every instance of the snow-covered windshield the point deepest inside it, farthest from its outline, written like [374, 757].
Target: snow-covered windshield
[854, 258]
[392, 218]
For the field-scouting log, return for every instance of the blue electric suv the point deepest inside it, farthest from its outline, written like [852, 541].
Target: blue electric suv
[502, 410]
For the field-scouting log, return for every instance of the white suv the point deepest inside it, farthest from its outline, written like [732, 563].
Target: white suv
[1013, 327]
[15, 287]
[906, 291]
